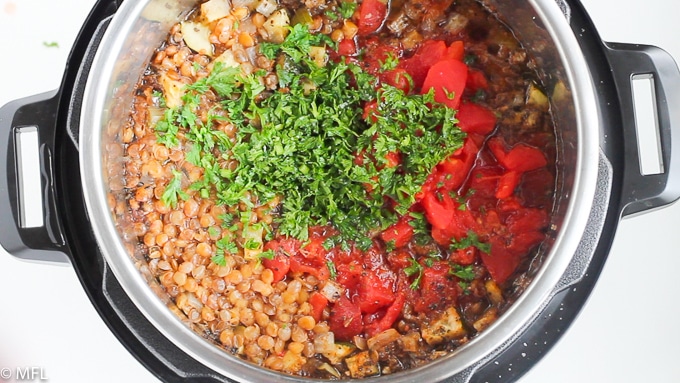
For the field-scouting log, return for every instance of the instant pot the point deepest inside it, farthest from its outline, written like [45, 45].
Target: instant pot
[601, 182]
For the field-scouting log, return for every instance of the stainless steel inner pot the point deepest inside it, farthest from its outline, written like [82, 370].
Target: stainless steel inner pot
[139, 27]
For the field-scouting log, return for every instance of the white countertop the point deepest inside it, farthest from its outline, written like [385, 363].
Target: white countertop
[627, 333]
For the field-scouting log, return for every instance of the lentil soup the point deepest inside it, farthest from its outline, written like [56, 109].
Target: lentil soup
[340, 189]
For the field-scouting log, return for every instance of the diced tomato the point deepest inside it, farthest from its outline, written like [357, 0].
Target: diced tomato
[474, 118]
[313, 266]
[376, 55]
[523, 231]
[347, 47]
[509, 206]
[314, 247]
[537, 187]
[370, 112]
[399, 260]
[375, 292]
[391, 315]
[497, 148]
[484, 182]
[318, 302]
[527, 220]
[455, 51]
[398, 78]
[372, 14]
[520, 158]
[523, 242]
[447, 78]
[439, 209]
[441, 236]
[461, 223]
[345, 319]
[399, 233]
[437, 288]
[279, 265]
[348, 275]
[501, 262]
[465, 256]
[524, 158]
[429, 52]
[286, 246]
[507, 184]
[283, 248]
[476, 81]
[455, 169]
[393, 159]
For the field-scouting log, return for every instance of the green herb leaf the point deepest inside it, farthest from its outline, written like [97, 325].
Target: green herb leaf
[471, 240]
[466, 273]
[416, 269]
[347, 8]
[331, 269]
[174, 190]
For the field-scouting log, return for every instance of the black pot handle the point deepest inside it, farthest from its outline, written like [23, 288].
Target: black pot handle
[644, 192]
[43, 242]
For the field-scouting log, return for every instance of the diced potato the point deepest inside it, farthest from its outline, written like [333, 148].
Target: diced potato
[493, 292]
[560, 92]
[537, 98]
[486, 319]
[362, 365]
[276, 26]
[339, 352]
[215, 9]
[197, 37]
[173, 90]
[227, 59]
[163, 11]
[318, 55]
[410, 342]
[266, 7]
[447, 327]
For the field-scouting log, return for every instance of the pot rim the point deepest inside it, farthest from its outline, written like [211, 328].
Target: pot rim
[478, 350]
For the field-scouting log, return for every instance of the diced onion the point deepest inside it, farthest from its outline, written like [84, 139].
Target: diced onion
[383, 339]
[266, 7]
[330, 369]
[250, 4]
[324, 342]
[332, 291]
[215, 9]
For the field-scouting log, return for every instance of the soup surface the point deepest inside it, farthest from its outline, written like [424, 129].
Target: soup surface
[340, 189]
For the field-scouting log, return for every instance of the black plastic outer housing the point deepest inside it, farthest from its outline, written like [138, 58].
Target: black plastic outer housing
[168, 362]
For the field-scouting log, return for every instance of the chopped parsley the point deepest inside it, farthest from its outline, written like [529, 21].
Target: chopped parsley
[308, 143]
[471, 240]
[331, 269]
[347, 8]
[466, 274]
[174, 190]
[416, 269]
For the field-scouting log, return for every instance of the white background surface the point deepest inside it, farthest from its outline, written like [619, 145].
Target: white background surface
[628, 331]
